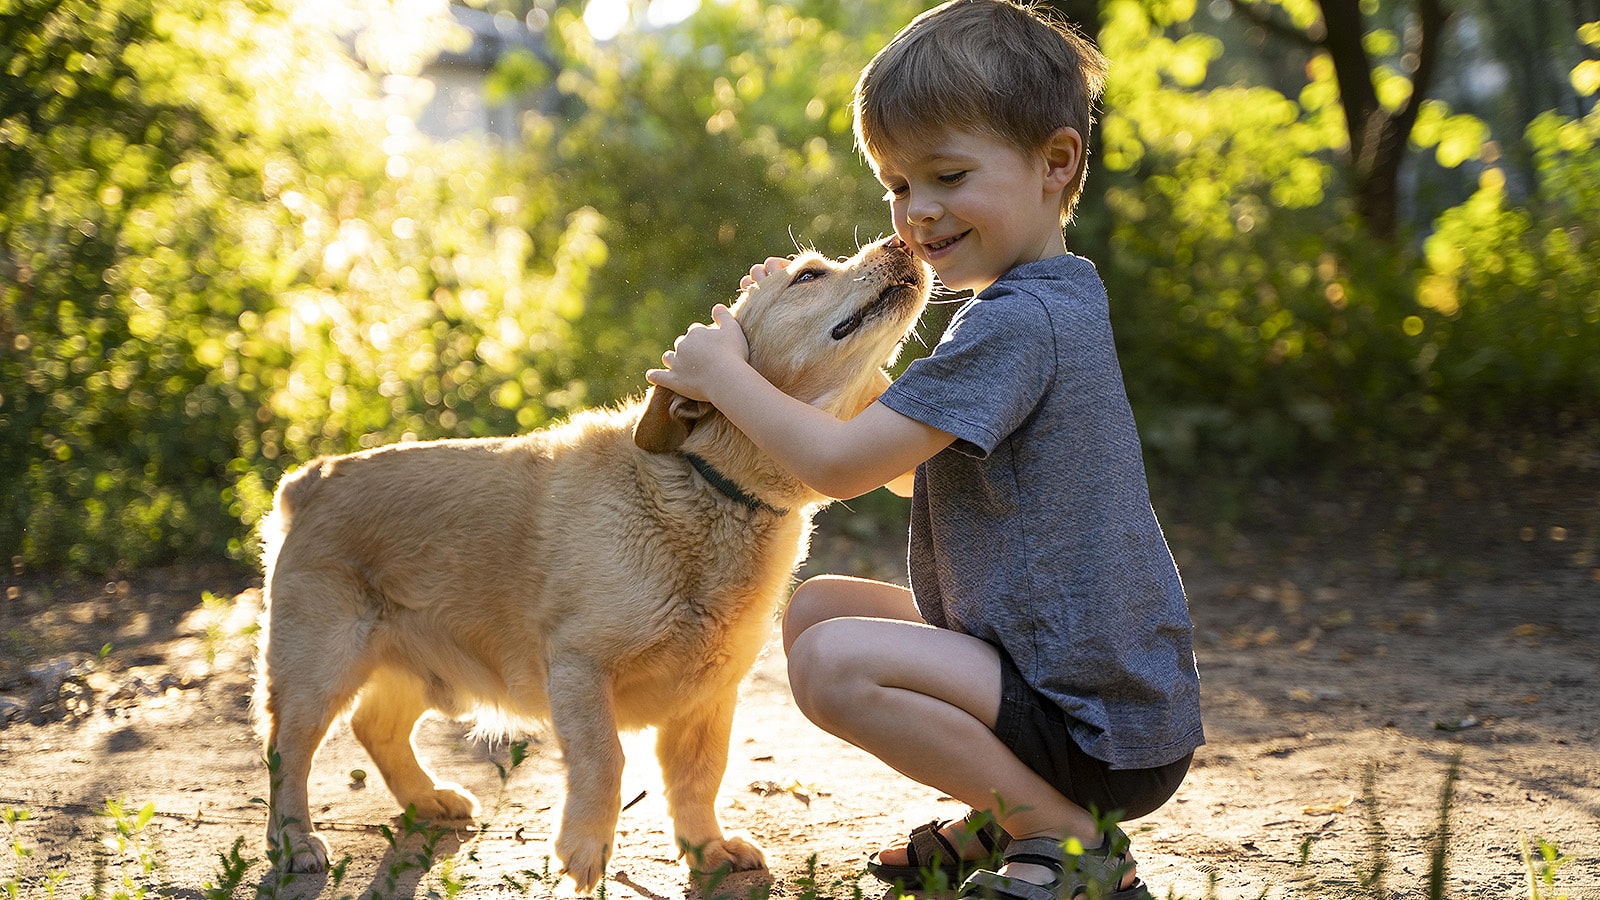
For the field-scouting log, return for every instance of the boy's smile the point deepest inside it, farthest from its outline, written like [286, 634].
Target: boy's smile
[974, 206]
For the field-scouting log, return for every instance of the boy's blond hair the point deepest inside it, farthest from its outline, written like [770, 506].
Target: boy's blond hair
[990, 67]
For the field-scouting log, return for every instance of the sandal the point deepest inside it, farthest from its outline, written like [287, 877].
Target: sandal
[929, 851]
[1103, 866]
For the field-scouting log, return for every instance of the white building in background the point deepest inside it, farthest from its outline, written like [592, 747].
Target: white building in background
[450, 97]
[454, 84]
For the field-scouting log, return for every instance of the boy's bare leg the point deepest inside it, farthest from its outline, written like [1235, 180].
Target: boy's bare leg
[838, 596]
[924, 700]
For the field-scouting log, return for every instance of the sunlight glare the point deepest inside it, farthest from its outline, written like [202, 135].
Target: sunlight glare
[605, 19]
[670, 12]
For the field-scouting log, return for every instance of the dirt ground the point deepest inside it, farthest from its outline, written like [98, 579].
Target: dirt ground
[1352, 642]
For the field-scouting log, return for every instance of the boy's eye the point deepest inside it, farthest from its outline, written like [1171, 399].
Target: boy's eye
[952, 177]
[894, 191]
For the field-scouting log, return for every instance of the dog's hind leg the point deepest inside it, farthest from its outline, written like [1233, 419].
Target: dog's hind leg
[693, 752]
[311, 667]
[385, 718]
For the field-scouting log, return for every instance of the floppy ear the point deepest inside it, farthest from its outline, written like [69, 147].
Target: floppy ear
[667, 420]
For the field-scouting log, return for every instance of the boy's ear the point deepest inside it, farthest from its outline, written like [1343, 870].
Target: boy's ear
[1063, 158]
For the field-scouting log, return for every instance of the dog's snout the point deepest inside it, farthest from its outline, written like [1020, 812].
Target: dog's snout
[901, 265]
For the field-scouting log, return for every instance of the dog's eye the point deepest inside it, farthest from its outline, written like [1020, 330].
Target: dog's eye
[807, 275]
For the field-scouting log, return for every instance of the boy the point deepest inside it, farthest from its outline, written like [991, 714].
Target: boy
[1041, 665]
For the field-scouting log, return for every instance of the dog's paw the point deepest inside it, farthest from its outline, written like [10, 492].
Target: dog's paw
[583, 861]
[445, 803]
[733, 854]
[299, 851]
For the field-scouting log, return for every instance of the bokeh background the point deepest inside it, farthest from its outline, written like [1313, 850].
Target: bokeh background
[1340, 236]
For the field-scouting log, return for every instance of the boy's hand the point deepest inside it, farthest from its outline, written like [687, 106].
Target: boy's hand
[702, 356]
[772, 266]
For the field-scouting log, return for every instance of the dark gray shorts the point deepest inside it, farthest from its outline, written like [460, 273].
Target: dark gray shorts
[1035, 729]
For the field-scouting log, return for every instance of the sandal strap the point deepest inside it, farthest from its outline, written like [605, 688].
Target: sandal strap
[984, 883]
[1106, 864]
[990, 835]
[927, 846]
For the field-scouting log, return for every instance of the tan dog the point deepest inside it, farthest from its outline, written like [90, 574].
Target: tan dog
[617, 571]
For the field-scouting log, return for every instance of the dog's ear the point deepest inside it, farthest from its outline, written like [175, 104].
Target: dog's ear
[667, 420]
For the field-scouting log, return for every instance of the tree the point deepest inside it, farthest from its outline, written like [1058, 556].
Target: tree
[1379, 134]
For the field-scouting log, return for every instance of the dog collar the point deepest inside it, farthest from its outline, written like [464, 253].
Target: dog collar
[730, 490]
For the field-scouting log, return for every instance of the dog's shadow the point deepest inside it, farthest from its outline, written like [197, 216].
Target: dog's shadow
[416, 849]
[722, 885]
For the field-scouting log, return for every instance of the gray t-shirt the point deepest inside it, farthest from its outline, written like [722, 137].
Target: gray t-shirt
[1034, 530]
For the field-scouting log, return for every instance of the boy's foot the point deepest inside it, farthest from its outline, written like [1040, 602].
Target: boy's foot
[1040, 869]
[954, 847]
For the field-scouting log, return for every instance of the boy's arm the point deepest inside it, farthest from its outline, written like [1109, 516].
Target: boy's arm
[902, 485]
[836, 458]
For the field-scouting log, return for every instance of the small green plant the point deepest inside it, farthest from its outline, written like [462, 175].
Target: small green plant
[1541, 868]
[13, 817]
[218, 609]
[132, 852]
[528, 878]
[234, 867]
[516, 753]
[428, 836]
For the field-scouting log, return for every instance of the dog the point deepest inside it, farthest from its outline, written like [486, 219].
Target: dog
[617, 571]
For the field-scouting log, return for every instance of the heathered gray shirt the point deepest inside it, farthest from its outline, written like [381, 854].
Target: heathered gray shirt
[1034, 529]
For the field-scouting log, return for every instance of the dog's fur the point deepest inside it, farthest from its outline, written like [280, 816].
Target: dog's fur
[585, 574]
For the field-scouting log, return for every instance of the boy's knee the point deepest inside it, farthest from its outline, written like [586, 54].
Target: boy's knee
[806, 607]
[815, 676]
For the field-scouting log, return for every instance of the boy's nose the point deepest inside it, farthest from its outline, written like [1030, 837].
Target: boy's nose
[919, 212]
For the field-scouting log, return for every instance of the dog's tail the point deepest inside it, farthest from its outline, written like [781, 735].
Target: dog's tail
[294, 491]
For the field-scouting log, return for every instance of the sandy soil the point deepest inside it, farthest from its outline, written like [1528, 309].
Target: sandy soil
[1350, 649]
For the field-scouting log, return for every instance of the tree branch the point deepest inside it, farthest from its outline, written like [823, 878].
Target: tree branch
[1258, 15]
[1432, 17]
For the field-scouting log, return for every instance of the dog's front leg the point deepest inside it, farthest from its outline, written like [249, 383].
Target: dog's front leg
[693, 752]
[585, 723]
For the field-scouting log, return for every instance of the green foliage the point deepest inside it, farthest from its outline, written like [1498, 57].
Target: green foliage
[1513, 289]
[703, 149]
[1257, 322]
[1260, 326]
[216, 263]
[223, 251]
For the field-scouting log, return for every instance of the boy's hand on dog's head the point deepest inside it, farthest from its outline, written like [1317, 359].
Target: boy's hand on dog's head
[772, 266]
[700, 355]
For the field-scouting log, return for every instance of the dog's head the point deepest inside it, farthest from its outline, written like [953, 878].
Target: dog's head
[821, 331]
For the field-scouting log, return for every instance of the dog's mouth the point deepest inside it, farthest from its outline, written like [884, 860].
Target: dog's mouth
[887, 299]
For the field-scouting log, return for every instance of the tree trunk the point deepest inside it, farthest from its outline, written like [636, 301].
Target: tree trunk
[1379, 138]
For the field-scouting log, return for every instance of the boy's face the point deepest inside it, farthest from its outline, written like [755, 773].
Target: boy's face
[974, 206]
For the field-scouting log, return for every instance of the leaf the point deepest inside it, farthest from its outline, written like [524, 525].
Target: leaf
[1586, 77]
[1326, 807]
